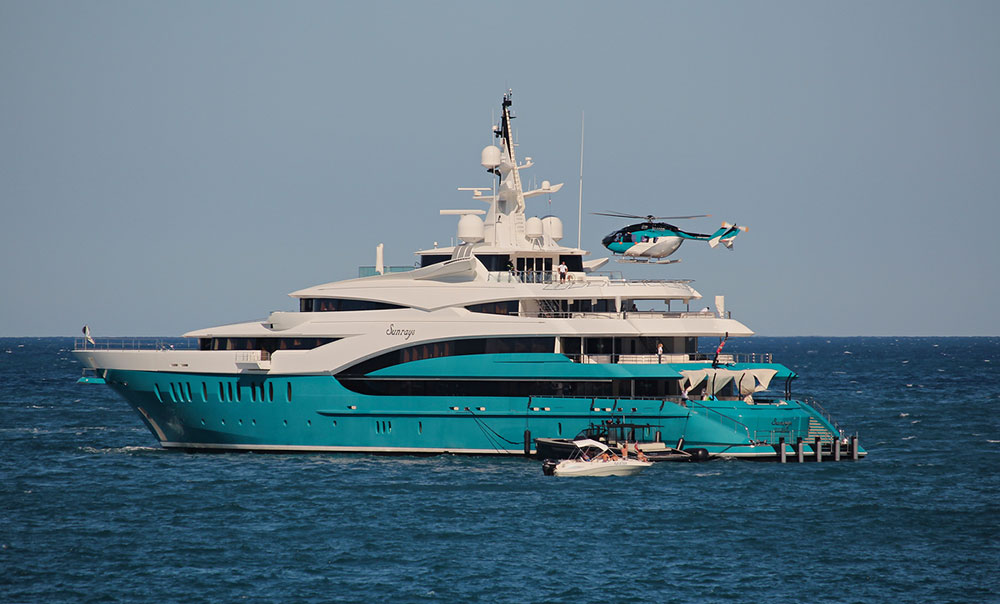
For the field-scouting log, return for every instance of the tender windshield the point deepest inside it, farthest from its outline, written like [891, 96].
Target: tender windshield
[590, 452]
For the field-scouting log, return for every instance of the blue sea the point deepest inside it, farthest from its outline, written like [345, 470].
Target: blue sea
[94, 511]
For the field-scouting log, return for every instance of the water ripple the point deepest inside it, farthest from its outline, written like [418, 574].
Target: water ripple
[95, 511]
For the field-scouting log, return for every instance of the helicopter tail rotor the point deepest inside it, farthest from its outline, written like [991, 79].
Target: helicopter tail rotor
[726, 235]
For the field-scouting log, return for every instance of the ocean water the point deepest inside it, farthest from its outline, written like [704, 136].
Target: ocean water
[93, 511]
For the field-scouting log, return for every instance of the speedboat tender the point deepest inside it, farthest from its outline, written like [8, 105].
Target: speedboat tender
[593, 458]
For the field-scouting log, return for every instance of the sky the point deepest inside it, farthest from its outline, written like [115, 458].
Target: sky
[168, 166]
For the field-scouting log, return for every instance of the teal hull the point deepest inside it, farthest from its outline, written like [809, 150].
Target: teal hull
[316, 413]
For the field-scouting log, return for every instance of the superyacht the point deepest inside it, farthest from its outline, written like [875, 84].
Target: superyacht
[484, 346]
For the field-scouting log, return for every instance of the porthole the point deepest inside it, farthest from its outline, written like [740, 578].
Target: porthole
[204, 392]
[309, 423]
[173, 392]
[560, 428]
[230, 391]
[285, 422]
[190, 398]
[156, 391]
[223, 422]
[289, 392]
[270, 391]
[239, 393]
[420, 427]
[253, 392]
[222, 392]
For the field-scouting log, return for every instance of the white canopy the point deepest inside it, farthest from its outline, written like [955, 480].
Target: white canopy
[747, 380]
[583, 443]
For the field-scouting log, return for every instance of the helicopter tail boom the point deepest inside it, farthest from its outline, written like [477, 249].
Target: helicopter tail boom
[726, 234]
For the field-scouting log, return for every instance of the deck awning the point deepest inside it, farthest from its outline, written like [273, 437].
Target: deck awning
[747, 380]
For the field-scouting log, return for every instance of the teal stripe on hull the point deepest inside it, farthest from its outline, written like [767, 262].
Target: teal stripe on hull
[523, 366]
[297, 413]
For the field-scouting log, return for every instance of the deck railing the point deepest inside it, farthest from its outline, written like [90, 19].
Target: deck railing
[575, 279]
[819, 409]
[123, 343]
[630, 314]
[655, 359]
[252, 356]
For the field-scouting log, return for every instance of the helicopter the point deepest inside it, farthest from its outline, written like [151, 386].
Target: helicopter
[651, 241]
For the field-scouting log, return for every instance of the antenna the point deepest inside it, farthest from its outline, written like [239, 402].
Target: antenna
[579, 217]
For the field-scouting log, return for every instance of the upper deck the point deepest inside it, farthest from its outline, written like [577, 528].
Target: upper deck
[466, 281]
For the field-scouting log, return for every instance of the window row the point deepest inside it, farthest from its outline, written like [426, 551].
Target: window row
[453, 348]
[555, 308]
[505, 307]
[503, 262]
[637, 345]
[265, 344]
[229, 392]
[648, 388]
[342, 304]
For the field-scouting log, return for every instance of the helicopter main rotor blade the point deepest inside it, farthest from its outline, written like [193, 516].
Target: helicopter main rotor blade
[617, 215]
[648, 217]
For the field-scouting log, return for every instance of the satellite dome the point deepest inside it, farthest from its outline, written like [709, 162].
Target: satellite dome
[490, 157]
[470, 228]
[533, 228]
[553, 227]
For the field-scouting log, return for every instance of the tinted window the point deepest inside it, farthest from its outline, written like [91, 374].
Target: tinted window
[573, 263]
[494, 262]
[341, 304]
[506, 307]
[448, 348]
[268, 344]
[510, 388]
[429, 259]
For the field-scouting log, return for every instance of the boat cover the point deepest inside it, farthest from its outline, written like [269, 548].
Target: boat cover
[748, 380]
[589, 442]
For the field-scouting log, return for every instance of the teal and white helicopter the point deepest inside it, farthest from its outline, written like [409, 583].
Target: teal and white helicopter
[651, 241]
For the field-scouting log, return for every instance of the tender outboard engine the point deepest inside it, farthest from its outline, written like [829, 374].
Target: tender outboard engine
[549, 467]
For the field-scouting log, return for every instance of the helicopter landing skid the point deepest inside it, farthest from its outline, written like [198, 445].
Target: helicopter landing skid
[638, 260]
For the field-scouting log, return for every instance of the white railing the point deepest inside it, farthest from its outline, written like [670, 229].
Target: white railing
[252, 356]
[123, 343]
[575, 279]
[653, 359]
